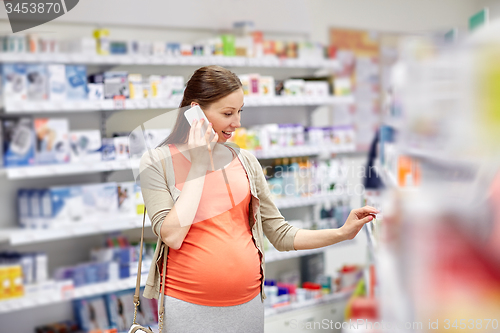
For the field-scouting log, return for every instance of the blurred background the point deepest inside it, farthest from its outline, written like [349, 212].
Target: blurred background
[394, 104]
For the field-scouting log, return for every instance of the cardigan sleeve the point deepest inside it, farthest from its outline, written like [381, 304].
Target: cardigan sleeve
[277, 230]
[157, 197]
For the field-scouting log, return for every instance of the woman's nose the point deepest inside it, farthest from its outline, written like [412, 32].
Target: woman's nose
[236, 123]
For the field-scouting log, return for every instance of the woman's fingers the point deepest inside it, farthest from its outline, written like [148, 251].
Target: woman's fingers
[366, 219]
[366, 210]
[208, 132]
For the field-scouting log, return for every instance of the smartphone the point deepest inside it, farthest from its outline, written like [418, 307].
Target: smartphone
[197, 113]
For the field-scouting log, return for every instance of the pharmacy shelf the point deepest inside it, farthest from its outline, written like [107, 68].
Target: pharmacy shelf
[58, 170]
[77, 229]
[55, 170]
[117, 60]
[304, 150]
[293, 202]
[325, 299]
[32, 107]
[27, 302]
[18, 236]
[275, 255]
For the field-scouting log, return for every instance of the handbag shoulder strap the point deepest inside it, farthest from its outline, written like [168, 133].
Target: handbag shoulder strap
[164, 270]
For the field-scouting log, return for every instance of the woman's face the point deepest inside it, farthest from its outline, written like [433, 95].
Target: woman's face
[225, 115]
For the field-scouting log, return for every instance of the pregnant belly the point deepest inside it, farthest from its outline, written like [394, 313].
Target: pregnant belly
[222, 275]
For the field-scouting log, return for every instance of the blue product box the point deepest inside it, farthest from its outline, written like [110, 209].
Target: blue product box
[108, 150]
[67, 204]
[76, 82]
[52, 140]
[91, 313]
[120, 307]
[37, 82]
[79, 278]
[387, 134]
[100, 201]
[46, 207]
[14, 82]
[91, 272]
[18, 142]
[23, 207]
[35, 220]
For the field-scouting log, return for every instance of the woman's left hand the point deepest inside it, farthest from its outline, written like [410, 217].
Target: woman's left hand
[355, 221]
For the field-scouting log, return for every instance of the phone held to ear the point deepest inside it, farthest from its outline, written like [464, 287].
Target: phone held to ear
[197, 113]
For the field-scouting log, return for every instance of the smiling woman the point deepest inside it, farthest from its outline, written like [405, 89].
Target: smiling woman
[210, 219]
[209, 87]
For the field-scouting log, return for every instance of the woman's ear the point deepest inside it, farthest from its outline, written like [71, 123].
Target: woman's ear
[194, 104]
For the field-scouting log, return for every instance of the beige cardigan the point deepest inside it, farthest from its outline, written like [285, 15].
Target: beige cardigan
[159, 198]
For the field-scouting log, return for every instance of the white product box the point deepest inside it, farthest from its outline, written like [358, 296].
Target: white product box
[136, 90]
[316, 88]
[267, 86]
[156, 136]
[41, 267]
[122, 150]
[126, 198]
[57, 82]
[294, 87]
[96, 91]
[52, 140]
[342, 86]
[245, 83]
[85, 146]
[155, 86]
[37, 79]
[100, 201]
[172, 86]
[67, 204]
[159, 48]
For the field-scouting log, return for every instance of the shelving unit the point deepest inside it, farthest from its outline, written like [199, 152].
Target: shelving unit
[29, 107]
[129, 283]
[94, 59]
[14, 237]
[326, 299]
[18, 236]
[55, 170]
[25, 303]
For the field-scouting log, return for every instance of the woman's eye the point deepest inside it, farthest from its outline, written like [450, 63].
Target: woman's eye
[240, 111]
[228, 114]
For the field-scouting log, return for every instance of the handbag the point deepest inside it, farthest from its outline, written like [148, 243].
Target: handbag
[137, 328]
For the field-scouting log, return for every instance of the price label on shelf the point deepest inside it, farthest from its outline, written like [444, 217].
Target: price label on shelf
[119, 102]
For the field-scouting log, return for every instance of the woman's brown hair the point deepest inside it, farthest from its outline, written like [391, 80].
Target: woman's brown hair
[207, 85]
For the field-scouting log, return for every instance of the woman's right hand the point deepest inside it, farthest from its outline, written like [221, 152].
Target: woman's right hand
[200, 147]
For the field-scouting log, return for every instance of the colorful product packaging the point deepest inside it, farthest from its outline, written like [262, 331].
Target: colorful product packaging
[52, 140]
